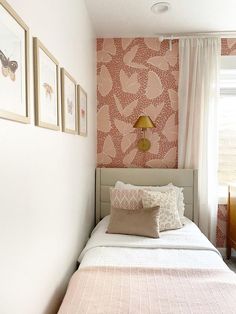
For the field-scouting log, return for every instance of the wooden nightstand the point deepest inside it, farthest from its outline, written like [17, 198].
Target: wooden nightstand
[231, 223]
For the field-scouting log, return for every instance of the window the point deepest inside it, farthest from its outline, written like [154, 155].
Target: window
[227, 122]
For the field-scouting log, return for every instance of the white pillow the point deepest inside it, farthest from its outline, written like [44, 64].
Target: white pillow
[180, 199]
[169, 216]
[164, 188]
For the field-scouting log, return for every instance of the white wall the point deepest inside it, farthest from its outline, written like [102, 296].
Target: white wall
[47, 177]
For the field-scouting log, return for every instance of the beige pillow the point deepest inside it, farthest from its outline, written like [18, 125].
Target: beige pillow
[139, 222]
[169, 215]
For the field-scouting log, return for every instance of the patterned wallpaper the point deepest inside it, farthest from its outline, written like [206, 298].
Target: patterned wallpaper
[136, 77]
[140, 76]
[221, 226]
[228, 47]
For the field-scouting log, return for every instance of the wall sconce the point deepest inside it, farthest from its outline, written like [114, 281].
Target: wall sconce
[143, 123]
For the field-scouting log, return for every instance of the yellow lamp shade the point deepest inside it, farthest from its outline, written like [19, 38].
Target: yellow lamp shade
[144, 122]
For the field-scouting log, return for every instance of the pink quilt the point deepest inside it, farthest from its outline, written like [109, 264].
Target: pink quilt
[123, 290]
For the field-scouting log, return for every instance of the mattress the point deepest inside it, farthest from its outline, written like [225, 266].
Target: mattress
[179, 273]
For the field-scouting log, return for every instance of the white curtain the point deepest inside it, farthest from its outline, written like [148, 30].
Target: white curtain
[198, 143]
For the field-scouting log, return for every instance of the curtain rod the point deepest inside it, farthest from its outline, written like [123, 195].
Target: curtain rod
[229, 34]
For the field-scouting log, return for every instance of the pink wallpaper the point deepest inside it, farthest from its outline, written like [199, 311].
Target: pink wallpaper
[136, 77]
[228, 47]
[221, 226]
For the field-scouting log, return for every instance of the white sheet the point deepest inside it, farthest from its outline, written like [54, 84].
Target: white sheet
[186, 247]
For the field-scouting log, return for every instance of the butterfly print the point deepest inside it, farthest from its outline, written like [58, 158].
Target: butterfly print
[152, 43]
[125, 42]
[108, 49]
[103, 119]
[127, 141]
[169, 160]
[164, 62]
[154, 139]
[69, 106]
[8, 67]
[48, 90]
[129, 84]
[173, 99]
[128, 159]
[154, 86]
[108, 151]
[104, 81]
[153, 111]
[170, 129]
[159, 62]
[129, 57]
[123, 127]
[128, 109]
[228, 46]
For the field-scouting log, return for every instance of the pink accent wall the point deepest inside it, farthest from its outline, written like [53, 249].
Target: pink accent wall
[136, 77]
[140, 76]
[228, 47]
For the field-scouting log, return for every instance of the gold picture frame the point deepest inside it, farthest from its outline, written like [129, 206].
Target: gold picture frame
[46, 83]
[69, 107]
[16, 69]
[82, 111]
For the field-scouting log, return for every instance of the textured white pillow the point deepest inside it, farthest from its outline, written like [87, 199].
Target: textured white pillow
[164, 188]
[180, 199]
[169, 215]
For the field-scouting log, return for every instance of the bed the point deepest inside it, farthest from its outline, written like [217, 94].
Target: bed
[181, 272]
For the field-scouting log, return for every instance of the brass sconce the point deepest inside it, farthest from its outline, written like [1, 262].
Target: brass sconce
[143, 123]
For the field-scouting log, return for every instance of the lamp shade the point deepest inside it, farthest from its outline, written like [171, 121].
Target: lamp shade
[144, 122]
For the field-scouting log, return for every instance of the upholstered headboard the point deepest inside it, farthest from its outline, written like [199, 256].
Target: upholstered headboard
[107, 177]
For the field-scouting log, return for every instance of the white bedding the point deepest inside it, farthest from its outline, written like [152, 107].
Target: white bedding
[185, 247]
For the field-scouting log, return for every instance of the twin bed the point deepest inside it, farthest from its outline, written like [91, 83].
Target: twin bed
[180, 272]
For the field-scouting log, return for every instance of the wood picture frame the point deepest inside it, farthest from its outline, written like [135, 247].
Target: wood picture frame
[82, 111]
[46, 87]
[69, 108]
[14, 57]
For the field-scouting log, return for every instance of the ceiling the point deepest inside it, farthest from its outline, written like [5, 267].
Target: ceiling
[133, 18]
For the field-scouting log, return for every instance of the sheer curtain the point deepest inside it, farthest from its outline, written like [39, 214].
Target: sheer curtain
[198, 143]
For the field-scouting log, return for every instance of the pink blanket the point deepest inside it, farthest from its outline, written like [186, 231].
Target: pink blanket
[107, 290]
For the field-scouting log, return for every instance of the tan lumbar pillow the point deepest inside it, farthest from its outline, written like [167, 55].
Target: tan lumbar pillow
[140, 222]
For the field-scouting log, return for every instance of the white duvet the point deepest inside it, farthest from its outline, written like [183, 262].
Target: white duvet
[185, 247]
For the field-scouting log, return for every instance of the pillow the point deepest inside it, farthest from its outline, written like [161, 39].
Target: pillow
[140, 222]
[164, 188]
[180, 199]
[127, 199]
[169, 216]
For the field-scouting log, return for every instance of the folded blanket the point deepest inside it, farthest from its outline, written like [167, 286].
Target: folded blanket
[187, 238]
[136, 290]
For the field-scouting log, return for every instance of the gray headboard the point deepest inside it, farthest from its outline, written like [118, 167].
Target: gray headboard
[107, 177]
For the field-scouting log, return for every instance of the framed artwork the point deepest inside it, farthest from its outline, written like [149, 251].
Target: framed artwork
[46, 80]
[14, 63]
[68, 103]
[82, 108]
